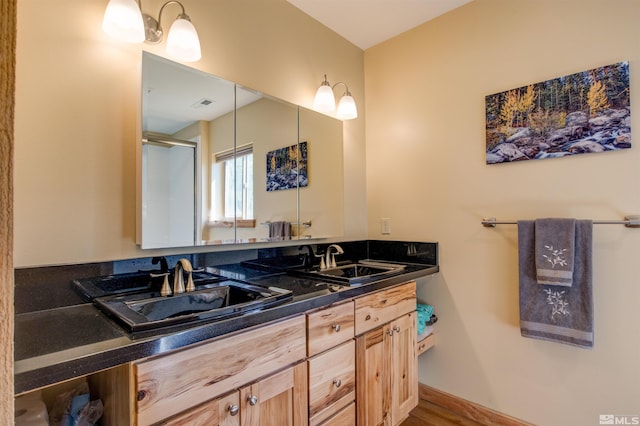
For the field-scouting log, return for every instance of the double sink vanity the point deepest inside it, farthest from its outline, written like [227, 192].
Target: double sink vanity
[274, 336]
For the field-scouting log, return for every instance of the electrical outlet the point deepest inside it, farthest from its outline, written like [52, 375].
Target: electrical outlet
[385, 226]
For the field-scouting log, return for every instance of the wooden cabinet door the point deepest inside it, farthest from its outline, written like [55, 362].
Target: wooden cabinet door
[278, 400]
[373, 389]
[172, 383]
[403, 367]
[387, 373]
[223, 411]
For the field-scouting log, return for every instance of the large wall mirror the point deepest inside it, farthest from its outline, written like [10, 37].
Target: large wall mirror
[224, 164]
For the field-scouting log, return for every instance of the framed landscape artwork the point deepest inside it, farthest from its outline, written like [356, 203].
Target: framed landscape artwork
[287, 167]
[586, 112]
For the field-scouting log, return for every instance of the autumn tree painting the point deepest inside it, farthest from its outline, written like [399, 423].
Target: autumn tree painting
[287, 167]
[580, 113]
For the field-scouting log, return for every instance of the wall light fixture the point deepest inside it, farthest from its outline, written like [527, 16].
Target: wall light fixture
[325, 101]
[124, 21]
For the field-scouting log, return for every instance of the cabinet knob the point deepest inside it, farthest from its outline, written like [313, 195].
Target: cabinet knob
[390, 332]
[253, 400]
[337, 382]
[367, 318]
[233, 409]
[336, 327]
[396, 329]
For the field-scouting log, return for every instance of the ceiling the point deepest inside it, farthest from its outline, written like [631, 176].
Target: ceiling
[366, 23]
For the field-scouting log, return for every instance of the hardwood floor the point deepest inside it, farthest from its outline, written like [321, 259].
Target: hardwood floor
[429, 414]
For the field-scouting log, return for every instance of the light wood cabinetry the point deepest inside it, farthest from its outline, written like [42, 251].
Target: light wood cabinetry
[426, 344]
[328, 327]
[386, 356]
[345, 417]
[222, 411]
[170, 384]
[404, 367]
[379, 308]
[332, 382]
[331, 365]
[278, 400]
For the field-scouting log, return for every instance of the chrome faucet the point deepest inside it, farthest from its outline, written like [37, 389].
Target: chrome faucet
[330, 258]
[183, 265]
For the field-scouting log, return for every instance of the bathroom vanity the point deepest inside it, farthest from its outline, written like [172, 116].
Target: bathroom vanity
[334, 354]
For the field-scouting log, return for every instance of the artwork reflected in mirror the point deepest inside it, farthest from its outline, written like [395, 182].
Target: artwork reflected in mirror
[287, 167]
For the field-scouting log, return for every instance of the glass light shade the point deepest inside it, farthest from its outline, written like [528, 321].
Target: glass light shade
[347, 108]
[324, 101]
[183, 43]
[123, 21]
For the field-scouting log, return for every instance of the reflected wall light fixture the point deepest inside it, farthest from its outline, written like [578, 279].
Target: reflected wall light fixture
[124, 21]
[325, 101]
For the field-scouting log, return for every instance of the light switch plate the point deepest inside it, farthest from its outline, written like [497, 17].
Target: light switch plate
[385, 226]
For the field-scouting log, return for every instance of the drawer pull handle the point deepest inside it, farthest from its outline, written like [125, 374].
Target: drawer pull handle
[336, 327]
[233, 409]
[367, 318]
[253, 400]
[337, 382]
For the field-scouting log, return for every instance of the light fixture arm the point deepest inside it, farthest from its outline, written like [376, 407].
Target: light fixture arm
[347, 93]
[183, 15]
[153, 27]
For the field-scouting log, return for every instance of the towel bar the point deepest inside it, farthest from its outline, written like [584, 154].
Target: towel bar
[632, 221]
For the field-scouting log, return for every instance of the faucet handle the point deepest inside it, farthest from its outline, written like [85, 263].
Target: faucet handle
[166, 288]
[323, 264]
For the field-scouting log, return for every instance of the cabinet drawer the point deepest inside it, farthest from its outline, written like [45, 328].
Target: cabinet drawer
[346, 416]
[332, 381]
[169, 384]
[329, 327]
[383, 306]
[220, 411]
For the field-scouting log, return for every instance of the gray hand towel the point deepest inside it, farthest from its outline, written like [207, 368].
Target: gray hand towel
[279, 231]
[286, 230]
[555, 248]
[557, 313]
[276, 230]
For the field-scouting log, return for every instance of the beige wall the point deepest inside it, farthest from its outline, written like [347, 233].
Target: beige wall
[426, 171]
[77, 108]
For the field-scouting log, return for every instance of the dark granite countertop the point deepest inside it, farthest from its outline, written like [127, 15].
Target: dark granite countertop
[61, 343]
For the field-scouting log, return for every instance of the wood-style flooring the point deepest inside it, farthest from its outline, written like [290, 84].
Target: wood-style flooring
[429, 414]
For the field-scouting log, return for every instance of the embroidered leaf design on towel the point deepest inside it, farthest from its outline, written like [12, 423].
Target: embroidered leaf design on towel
[556, 257]
[559, 306]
